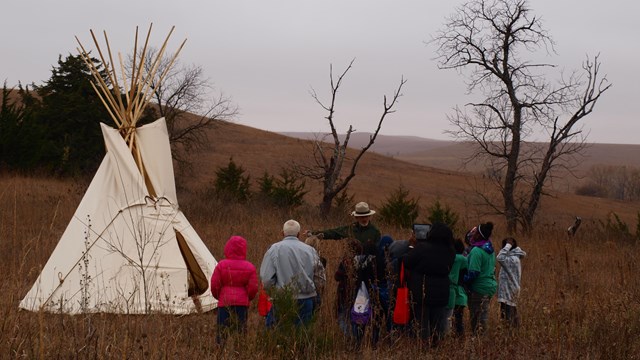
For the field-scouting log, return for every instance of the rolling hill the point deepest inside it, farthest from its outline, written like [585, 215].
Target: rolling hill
[450, 155]
[429, 169]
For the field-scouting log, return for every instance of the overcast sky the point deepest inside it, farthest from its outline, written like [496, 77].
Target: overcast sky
[267, 55]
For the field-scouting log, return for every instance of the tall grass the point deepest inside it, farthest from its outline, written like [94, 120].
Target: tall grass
[580, 296]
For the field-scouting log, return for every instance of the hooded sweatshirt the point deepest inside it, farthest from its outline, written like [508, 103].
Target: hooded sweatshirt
[234, 281]
[481, 272]
[509, 277]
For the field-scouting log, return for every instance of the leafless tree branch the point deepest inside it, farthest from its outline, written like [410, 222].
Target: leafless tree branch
[330, 159]
[190, 104]
[489, 40]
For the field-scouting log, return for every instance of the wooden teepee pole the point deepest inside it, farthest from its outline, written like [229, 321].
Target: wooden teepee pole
[125, 99]
[143, 59]
[108, 66]
[104, 93]
[150, 76]
[133, 71]
[116, 85]
[162, 75]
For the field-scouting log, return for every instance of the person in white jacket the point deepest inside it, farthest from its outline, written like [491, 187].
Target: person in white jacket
[509, 280]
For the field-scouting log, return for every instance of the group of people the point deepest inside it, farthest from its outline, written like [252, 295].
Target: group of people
[288, 264]
[443, 275]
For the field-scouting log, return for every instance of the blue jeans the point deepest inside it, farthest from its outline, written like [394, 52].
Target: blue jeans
[231, 318]
[304, 314]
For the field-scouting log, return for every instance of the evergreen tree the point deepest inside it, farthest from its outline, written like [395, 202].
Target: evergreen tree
[21, 140]
[266, 184]
[443, 214]
[286, 191]
[400, 209]
[70, 110]
[231, 183]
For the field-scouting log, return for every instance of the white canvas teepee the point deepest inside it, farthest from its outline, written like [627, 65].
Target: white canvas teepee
[128, 248]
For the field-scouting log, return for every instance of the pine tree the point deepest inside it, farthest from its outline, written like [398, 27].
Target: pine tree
[231, 183]
[400, 209]
[70, 110]
[21, 139]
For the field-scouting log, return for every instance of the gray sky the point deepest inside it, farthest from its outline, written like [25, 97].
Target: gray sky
[267, 55]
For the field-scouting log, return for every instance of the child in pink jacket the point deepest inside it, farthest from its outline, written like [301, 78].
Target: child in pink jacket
[234, 283]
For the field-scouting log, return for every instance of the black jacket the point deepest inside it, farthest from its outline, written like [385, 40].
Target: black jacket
[428, 266]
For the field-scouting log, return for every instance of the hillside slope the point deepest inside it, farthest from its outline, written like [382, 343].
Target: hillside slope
[258, 151]
[449, 155]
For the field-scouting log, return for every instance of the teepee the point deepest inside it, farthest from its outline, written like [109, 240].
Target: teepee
[128, 248]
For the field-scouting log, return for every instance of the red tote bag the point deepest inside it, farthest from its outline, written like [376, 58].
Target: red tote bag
[264, 304]
[401, 310]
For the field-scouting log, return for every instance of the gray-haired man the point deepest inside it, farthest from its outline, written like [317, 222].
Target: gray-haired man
[295, 265]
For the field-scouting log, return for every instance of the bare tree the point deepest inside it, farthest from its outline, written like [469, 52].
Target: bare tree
[189, 103]
[526, 126]
[329, 158]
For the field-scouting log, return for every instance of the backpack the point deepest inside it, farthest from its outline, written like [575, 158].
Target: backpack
[361, 310]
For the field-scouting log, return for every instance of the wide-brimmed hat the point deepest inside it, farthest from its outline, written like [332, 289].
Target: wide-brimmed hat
[362, 209]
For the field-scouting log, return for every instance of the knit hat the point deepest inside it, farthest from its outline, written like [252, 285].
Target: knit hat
[485, 230]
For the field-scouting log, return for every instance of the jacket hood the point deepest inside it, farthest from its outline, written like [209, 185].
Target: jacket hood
[517, 252]
[439, 233]
[487, 247]
[383, 245]
[236, 248]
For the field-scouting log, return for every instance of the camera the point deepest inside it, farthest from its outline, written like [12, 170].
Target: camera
[421, 231]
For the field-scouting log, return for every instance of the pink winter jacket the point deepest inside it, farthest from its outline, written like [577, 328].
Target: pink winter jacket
[234, 281]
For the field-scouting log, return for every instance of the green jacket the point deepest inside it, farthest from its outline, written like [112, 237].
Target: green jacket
[457, 294]
[353, 231]
[484, 264]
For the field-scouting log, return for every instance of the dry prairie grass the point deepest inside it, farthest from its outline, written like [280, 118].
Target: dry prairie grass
[580, 297]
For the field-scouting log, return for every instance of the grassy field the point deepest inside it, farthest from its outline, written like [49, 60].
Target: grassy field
[580, 296]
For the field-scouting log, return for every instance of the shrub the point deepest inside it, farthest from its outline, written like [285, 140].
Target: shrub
[287, 337]
[591, 189]
[231, 183]
[443, 214]
[266, 184]
[343, 203]
[616, 227]
[287, 191]
[400, 209]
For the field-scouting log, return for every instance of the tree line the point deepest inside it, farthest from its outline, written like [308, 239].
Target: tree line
[52, 127]
[612, 181]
